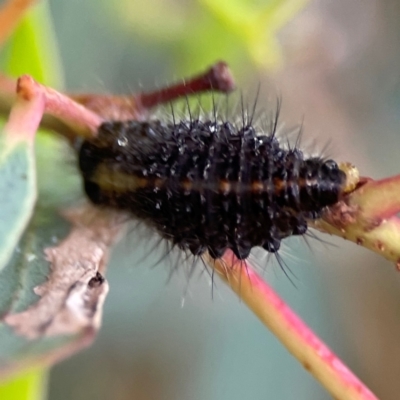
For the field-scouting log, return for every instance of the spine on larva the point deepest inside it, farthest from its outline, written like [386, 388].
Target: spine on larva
[208, 185]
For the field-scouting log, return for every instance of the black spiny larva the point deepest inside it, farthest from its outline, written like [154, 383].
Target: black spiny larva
[209, 185]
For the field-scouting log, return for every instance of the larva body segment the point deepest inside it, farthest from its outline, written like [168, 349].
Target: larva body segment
[207, 185]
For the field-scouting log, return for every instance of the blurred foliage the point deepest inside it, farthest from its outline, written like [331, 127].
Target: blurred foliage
[31, 50]
[198, 33]
[203, 31]
[29, 386]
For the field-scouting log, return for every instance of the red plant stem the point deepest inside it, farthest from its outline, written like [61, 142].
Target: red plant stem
[25, 115]
[7, 87]
[378, 199]
[82, 120]
[367, 216]
[121, 108]
[297, 337]
[217, 78]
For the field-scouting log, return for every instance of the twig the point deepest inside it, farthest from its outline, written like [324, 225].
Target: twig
[368, 217]
[298, 338]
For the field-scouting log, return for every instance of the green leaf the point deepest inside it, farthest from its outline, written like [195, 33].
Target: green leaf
[51, 295]
[29, 386]
[30, 332]
[33, 49]
[51, 292]
[18, 193]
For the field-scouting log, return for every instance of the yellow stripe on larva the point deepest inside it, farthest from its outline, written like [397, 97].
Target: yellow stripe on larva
[116, 181]
[120, 182]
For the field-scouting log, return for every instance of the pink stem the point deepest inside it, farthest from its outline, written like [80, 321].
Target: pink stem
[82, 120]
[121, 108]
[378, 199]
[297, 337]
[25, 115]
[217, 78]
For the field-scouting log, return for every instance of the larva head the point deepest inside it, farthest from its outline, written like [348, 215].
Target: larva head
[325, 182]
[322, 183]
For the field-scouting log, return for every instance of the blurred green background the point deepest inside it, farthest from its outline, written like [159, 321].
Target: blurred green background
[335, 65]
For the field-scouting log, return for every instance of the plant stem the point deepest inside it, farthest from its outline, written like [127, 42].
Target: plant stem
[297, 337]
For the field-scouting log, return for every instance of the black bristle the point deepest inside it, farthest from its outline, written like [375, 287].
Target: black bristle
[208, 185]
